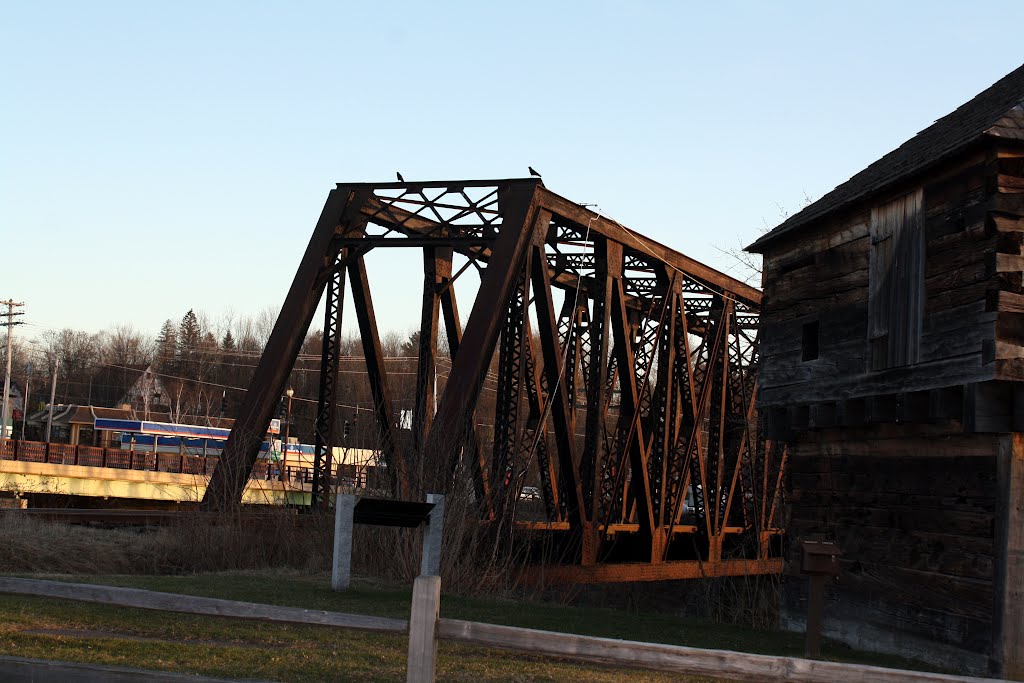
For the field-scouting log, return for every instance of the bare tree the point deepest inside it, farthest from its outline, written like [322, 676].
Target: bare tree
[746, 266]
[124, 353]
[77, 352]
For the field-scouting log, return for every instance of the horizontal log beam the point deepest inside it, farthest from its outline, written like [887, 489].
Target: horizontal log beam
[1009, 263]
[1007, 223]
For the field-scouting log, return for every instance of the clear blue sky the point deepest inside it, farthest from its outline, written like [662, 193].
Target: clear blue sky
[158, 157]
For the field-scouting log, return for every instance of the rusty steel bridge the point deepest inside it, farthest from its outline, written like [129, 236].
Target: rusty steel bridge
[626, 379]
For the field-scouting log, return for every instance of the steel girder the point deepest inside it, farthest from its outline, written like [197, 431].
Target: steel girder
[625, 378]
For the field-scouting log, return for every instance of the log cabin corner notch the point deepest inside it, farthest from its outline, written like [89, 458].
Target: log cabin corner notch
[892, 361]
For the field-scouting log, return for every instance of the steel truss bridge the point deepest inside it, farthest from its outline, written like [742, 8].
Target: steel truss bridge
[626, 378]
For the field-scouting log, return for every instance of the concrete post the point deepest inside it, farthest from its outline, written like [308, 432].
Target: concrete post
[426, 604]
[430, 565]
[341, 569]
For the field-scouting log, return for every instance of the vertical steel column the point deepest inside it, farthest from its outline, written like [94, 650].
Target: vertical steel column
[507, 432]
[745, 408]
[663, 411]
[718, 369]
[323, 428]
[609, 495]
[686, 434]
[561, 412]
[598, 391]
[568, 336]
[426, 358]
[634, 443]
[535, 441]
[699, 448]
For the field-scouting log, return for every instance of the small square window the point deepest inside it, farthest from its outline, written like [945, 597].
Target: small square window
[809, 343]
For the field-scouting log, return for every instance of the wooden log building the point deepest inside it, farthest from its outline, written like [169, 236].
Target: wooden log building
[892, 363]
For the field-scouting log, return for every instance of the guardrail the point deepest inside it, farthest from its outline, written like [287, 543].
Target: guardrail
[425, 628]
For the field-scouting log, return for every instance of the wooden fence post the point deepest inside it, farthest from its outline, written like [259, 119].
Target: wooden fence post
[426, 604]
[815, 613]
[341, 569]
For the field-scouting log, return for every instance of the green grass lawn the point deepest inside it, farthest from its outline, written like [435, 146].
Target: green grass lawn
[82, 632]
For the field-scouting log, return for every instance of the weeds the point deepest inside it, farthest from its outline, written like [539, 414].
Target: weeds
[194, 544]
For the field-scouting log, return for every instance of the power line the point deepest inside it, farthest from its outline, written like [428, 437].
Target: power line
[224, 386]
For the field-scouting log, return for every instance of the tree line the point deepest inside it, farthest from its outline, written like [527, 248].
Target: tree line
[200, 368]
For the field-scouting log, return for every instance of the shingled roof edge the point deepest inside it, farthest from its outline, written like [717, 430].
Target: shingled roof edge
[947, 136]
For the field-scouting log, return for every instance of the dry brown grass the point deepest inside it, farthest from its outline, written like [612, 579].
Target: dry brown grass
[475, 557]
[195, 544]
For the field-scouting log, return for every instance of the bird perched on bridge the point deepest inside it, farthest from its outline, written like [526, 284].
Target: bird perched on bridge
[533, 172]
[400, 178]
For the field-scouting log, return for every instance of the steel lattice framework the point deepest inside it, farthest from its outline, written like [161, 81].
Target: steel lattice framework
[625, 378]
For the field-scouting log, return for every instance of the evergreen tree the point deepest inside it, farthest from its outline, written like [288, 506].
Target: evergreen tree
[166, 344]
[228, 343]
[411, 346]
[189, 335]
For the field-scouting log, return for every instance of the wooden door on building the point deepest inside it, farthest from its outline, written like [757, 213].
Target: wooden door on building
[896, 282]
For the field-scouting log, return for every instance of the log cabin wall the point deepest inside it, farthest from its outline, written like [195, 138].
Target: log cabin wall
[1006, 222]
[822, 281]
[913, 514]
[900, 446]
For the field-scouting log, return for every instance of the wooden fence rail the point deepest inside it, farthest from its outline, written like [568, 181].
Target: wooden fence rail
[734, 666]
[737, 666]
[175, 602]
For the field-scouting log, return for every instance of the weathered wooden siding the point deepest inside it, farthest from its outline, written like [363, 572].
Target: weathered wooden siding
[902, 466]
[913, 514]
[825, 277]
[896, 282]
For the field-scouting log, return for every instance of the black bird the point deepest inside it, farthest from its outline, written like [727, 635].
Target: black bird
[400, 178]
[533, 172]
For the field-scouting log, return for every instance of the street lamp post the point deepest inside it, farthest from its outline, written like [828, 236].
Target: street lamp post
[287, 429]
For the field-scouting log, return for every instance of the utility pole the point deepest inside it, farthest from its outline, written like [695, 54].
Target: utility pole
[11, 305]
[25, 401]
[53, 394]
[284, 444]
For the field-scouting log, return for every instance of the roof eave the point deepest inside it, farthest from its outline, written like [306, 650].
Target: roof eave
[794, 226]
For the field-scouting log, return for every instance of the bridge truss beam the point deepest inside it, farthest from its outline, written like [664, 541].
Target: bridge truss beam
[626, 378]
